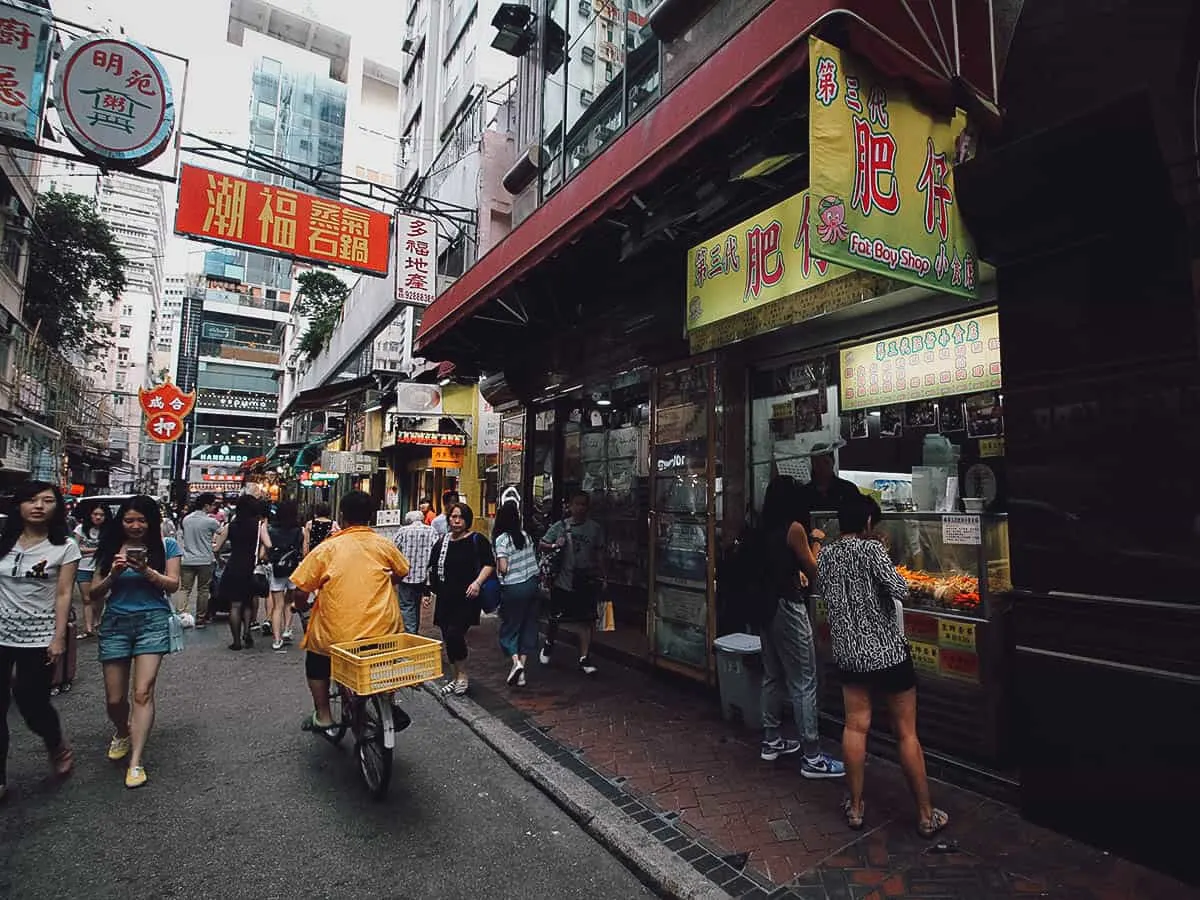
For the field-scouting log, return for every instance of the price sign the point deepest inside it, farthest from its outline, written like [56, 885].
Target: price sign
[962, 530]
[955, 634]
[920, 627]
[959, 664]
[924, 657]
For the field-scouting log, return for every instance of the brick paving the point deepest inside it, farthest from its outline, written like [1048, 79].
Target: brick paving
[667, 745]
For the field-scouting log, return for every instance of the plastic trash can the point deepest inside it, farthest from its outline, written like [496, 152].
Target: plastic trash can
[739, 677]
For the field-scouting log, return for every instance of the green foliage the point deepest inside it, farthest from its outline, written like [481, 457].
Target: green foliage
[320, 299]
[74, 263]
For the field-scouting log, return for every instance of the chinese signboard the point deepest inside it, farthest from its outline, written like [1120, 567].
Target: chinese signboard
[114, 100]
[24, 58]
[956, 358]
[416, 260]
[166, 406]
[226, 209]
[882, 179]
[446, 457]
[762, 259]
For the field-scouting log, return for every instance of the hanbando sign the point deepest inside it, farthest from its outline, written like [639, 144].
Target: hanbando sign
[226, 209]
[882, 179]
[24, 59]
[114, 101]
[759, 260]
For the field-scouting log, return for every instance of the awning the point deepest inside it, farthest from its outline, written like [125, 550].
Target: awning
[307, 456]
[328, 394]
[938, 44]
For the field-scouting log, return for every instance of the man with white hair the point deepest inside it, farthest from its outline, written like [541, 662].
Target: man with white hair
[415, 540]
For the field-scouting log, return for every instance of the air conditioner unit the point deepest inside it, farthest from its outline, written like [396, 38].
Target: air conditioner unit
[587, 54]
[585, 8]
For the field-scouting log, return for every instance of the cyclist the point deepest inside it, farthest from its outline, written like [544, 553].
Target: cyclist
[354, 570]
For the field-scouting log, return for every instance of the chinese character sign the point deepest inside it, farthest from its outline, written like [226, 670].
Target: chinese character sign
[882, 179]
[166, 406]
[24, 58]
[226, 209]
[757, 261]
[416, 260]
[114, 100]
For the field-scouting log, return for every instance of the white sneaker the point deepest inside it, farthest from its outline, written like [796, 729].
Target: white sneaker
[287, 635]
[544, 655]
[277, 646]
[521, 679]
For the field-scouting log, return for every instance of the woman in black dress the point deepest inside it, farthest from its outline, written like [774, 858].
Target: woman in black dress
[459, 564]
[237, 592]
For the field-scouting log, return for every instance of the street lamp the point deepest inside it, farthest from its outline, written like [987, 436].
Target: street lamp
[515, 33]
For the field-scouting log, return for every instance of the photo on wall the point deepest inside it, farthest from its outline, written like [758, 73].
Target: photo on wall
[921, 414]
[950, 415]
[891, 421]
[858, 425]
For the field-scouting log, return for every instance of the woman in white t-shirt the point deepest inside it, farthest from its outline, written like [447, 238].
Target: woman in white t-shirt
[517, 565]
[37, 572]
[87, 536]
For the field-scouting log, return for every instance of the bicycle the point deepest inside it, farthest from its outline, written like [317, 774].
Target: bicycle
[367, 676]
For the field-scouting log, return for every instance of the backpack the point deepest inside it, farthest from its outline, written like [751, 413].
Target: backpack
[747, 576]
[284, 555]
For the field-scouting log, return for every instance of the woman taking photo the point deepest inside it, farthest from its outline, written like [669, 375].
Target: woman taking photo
[517, 566]
[87, 535]
[238, 592]
[137, 570]
[861, 588]
[459, 564]
[37, 571]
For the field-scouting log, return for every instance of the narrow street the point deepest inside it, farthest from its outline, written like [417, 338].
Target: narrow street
[241, 803]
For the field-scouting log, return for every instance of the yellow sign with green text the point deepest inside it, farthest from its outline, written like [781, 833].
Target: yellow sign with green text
[762, 259]
[881, 175]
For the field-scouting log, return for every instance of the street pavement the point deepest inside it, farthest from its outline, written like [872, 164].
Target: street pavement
[241, 803]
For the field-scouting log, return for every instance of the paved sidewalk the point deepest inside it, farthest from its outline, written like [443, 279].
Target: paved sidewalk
[663, 754]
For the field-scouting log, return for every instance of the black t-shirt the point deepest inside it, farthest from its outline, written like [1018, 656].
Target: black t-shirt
[840, 493]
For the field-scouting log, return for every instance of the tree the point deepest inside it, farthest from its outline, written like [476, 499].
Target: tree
[74, 262]
[320, 299]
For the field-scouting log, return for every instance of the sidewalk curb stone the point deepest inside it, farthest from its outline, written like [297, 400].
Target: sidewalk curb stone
[660, 866]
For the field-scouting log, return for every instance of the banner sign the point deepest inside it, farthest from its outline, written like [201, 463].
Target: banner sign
[114, 100]
[762, 259]
[226, 209]
[166, 406]
[24, 60]
[882, 179]
[960, 357]
[416, 260]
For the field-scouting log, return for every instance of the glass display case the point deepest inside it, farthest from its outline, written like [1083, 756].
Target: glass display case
[953, 563]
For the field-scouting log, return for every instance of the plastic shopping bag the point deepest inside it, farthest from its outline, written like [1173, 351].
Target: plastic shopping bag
[604, 616]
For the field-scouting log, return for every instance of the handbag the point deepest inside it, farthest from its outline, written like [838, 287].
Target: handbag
[175, 633]
[260, 580]
[489, 591]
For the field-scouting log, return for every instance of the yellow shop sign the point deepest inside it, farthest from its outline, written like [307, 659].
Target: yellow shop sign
[762, 259]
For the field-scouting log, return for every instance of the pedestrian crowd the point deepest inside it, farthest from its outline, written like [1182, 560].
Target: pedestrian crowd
[139, 577]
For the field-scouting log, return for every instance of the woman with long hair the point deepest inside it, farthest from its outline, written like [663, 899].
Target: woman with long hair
[517, 566]
[137, 569]
[283, 539]
[237, 581]
[459, 564]
[92, 523]
[319, 527]
[37, 571]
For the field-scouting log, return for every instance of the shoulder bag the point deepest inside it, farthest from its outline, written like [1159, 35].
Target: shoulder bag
[489, 592]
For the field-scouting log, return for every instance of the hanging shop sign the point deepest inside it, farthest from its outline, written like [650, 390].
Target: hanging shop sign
[416, 260]
[882, 178]
[418, 400]
[757, 261]
[24, 62]
[166, 406]
[447, 457]
[960, 357]
[240, 212]
[114, 101]
[346, 462]
[430, 439]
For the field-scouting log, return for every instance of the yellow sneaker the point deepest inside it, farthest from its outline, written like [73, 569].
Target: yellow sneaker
[118, 748]
[135, 777]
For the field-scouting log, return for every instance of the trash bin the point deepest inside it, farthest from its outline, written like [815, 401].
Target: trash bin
[739, 677]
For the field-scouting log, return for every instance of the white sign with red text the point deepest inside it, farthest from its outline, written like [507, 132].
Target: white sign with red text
[416, 260]
[24, 56]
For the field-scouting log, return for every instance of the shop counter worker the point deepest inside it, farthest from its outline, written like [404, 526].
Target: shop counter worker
[354, 571]
[826, 491]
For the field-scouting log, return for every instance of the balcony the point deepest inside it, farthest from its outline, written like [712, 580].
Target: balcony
[241, 351]
[234, 303]
[243, 403]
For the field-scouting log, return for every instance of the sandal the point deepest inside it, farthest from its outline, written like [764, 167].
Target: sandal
[938, 820]
[310, 723]
[853, 821]
[62, 761]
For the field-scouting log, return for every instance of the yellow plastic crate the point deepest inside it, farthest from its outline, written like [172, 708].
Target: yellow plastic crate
[379, 664]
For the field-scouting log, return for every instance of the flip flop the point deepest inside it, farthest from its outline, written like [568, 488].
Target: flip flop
[310, 723]
[854, 822]
[938, 820]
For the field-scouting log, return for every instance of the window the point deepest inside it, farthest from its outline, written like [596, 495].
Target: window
[123, 356]
[118, 399]
[127, 309]
[585, 97]
[126, 330]
[588, 54]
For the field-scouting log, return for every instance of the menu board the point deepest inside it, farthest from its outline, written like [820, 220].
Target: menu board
[956, 358]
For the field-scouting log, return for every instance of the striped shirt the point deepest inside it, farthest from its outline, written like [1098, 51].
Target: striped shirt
[416, 542]
[522, 564]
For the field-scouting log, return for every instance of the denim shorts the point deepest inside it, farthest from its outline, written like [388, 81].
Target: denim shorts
[125, 635]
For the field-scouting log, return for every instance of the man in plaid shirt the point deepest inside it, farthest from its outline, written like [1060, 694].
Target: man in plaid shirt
[415, 540]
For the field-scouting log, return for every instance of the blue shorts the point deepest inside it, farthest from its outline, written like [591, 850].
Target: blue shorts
[83, 577]
[126, 635]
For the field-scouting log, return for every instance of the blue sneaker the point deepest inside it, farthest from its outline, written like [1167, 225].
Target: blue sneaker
[822, 766]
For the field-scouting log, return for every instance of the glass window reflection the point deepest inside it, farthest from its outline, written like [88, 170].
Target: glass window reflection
[554, 92]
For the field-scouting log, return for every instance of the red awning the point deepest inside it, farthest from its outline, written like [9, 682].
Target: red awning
[932, 43]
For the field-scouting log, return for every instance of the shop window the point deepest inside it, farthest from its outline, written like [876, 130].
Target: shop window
[126, 330]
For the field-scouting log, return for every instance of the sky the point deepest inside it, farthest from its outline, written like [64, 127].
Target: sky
[216, 101]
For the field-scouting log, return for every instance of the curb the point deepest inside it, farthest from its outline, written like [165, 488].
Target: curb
[654, 863]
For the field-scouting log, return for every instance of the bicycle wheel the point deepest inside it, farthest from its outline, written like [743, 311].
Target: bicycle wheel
[374, 756]
[342, 713]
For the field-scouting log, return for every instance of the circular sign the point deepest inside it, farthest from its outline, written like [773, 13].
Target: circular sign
[114, 100]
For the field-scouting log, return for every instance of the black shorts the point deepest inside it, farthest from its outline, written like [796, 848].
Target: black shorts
[317, 666]
[578, 605]
[893, 680]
